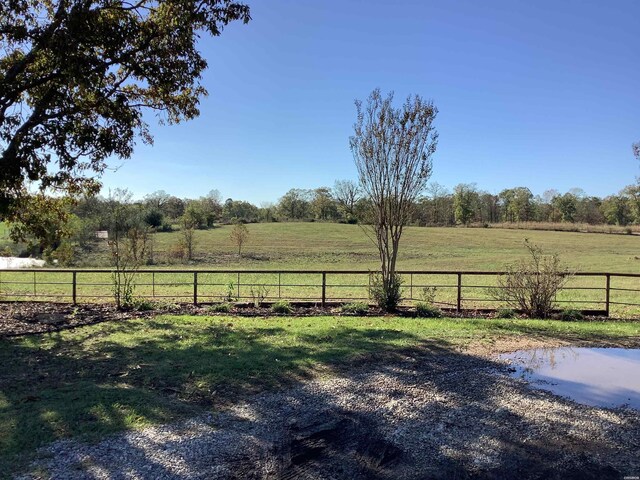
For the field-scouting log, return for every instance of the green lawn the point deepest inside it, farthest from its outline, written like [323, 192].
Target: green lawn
[105, 378]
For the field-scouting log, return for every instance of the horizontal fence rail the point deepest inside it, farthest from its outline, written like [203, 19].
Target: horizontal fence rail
[603, 292]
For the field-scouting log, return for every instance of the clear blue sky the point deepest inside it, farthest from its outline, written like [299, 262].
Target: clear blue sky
[543, 94]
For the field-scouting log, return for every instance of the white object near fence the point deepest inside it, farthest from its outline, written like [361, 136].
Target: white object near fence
[16, 262]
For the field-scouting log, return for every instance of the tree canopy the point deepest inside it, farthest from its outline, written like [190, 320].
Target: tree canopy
[392, 149]
[77, 75]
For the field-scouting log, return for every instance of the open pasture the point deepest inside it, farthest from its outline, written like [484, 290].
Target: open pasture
[331, 246]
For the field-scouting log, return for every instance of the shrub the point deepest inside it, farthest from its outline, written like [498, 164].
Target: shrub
[176, 251]
[221, 307]
[258, 294]
[355, 308]
[144, 305]
[231, 290]
[571, 315]
[154, 218]
[428, 295]
[64, 254]
[505, 313]
[532, 285]
[281, 306]
[427, 310]
[387, 297]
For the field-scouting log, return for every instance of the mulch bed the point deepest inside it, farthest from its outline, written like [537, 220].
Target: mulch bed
[36, 317]
[25, 318]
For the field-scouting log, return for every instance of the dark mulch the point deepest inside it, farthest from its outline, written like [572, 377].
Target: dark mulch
[25, 318]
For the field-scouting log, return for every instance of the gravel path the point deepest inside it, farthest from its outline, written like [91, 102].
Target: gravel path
[442, 414]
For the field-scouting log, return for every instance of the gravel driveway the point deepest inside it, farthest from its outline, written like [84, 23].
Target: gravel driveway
[439, 413]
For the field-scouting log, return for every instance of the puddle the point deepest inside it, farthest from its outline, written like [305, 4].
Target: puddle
[602, 377]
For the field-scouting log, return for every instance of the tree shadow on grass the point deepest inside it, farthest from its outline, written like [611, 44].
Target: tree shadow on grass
[116, 377]
[157, 371]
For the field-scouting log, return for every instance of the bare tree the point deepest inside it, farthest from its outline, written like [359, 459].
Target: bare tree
[129, 244]
[346, 193]
[187, 242]
[239, 236]
[392, 149]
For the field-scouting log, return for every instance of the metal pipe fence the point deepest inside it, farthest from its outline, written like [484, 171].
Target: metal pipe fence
[594, 291]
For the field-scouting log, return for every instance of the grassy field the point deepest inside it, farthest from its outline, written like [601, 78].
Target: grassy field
[106, 378]
[337, 246]
[331, 246]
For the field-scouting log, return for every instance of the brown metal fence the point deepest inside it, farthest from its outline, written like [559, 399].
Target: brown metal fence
[595, 291]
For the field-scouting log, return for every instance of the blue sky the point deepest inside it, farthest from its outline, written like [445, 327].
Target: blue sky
[543, 94]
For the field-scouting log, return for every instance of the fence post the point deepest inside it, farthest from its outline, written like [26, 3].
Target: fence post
[279, 286]
[324, 288]
[411, 287]
[153, 284]
[459, 302]
[34, 284]
[608, 294]
[238, 297]
[74, 288]
[195, 288]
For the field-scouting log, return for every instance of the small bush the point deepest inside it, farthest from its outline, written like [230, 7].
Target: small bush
[531, 285]
[388, 296]
[428, 295]
[571, 315]
[505, 313]
[144, 305]
[427, 310]
[355, 308]
[258, 294]
[281, 306]
[64, 254]
[221, 308]
[176, 251]
[231, 290]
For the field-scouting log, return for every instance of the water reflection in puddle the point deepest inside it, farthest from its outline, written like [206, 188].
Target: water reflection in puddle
[604, 377]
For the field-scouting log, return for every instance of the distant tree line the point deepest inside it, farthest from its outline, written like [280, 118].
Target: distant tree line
[56, 223]
[464, 205]
[468, 205]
